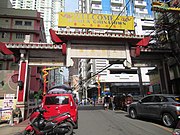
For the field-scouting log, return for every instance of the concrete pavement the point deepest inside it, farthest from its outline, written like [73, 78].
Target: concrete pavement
[17, 129]
[7, 129]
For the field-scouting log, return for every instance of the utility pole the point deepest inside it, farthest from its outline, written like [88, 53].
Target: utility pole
[140, 81]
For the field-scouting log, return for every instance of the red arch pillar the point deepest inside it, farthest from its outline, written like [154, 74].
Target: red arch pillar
[22, 86]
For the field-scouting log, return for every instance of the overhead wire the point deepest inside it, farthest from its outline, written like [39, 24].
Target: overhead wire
[108, 29]
[98, 72]
[119, 14]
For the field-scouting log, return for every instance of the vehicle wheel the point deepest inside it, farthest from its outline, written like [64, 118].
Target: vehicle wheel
[27, 132]
[70, 129]
[168, 120]
[133, 113]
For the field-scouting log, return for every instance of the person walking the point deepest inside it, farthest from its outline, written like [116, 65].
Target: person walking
[94, 100]
[112, 102]
[106, 102]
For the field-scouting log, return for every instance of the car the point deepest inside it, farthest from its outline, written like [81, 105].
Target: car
[58, 100]
[176, 131]
[164, 107]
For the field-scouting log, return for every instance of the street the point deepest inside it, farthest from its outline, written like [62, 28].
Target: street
[96, 121]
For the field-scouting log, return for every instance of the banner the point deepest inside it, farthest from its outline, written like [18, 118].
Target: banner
[8, 104]
[95, 21]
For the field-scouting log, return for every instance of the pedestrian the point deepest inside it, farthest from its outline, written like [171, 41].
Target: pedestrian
[123, 101]
[112, 102]
[128, 101]
[94, 100]
[106, 102]
[83, 102]
[11, 120]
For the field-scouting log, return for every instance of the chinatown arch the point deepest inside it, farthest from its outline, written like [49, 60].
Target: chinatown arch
[68, 45]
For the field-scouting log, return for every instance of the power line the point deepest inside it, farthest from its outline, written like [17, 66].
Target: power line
[119, 14]
[109, 29]
[98, 72]
[86, 80]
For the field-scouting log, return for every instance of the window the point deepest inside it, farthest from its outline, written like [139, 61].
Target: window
[18, 22]
[1, 65]
[141, 9]
[163, 99]
[20, 36]
[147, 99]
[27, 23]
[157, 99]
[57, 100]
[4, 34]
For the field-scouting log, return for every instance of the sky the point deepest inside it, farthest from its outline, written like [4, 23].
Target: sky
[71, 5]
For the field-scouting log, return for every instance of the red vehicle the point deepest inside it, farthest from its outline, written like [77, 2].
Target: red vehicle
[59, 100]
[61, 124]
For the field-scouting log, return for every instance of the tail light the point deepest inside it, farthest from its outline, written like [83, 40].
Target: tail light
[176, 104]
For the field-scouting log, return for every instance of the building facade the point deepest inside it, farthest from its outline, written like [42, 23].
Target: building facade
[18, 25]
[167, 37]
[48, 8]
[15, 26]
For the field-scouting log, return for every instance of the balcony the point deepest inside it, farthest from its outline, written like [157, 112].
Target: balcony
[116, 2]
[94, 11]
[141, 11]
[96, 7]
[127, 77]
[140, 3]
[121, 78]
[116, 8]
[95, 1]
[147, 23]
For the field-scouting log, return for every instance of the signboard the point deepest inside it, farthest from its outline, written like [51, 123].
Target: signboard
[8, 103]
[95, 21]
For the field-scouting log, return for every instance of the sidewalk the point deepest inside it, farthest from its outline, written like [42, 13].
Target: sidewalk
[15, 129]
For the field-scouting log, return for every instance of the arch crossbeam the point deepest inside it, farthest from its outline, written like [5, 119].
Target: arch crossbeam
[39, 54]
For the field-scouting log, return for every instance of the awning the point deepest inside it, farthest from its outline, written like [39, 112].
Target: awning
[4, 49]
[144, 41]
[54, 37]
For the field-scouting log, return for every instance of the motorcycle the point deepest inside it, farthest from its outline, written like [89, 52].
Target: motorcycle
[61, 124]
[128, 101]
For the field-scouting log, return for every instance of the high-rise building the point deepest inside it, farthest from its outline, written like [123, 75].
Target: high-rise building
[140, 9]
[48, 8]
[117, 78]
[129, 7]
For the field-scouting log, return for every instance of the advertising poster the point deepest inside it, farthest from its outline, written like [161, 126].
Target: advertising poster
[8, 104]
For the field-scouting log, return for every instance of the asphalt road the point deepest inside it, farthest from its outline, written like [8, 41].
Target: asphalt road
[96, 121]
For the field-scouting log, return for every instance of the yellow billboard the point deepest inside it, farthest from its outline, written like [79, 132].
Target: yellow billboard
[95, 21]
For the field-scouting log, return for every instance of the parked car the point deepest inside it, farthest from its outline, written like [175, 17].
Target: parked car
[59, 100]
[157, 106]
[177, 129]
